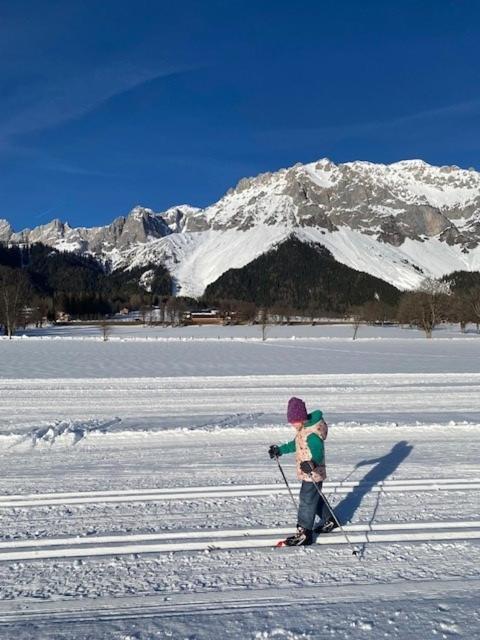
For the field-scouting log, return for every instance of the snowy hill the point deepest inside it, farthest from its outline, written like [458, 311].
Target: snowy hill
[399, 222]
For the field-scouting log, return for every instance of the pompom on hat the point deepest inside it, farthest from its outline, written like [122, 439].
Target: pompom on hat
[296, 410]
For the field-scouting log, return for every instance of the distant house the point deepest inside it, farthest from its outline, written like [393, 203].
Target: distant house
[124, 311]
[205, 316]
[63, 317]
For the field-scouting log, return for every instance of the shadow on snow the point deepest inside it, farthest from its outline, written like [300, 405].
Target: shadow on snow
[384, 467]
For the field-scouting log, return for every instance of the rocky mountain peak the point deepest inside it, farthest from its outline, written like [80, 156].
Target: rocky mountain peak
[141, 213]
[176, 217]
[5, 230]
[397, 221]
[407, 199]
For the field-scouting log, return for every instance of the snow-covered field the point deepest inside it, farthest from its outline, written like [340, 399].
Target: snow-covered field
[137, 499]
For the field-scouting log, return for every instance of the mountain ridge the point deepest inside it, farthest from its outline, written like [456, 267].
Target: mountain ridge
[401, 222]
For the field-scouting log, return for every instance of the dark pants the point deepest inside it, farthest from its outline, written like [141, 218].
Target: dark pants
[311, 504]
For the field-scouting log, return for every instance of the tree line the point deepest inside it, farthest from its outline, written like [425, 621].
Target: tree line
[300, 279]
[294, 282]
[38, 282]
[455, 298]
[435, 301]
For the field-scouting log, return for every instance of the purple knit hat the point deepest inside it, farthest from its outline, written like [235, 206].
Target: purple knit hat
[296, 411]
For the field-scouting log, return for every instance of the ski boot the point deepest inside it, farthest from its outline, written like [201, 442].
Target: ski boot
[327, 526]
[303, 537]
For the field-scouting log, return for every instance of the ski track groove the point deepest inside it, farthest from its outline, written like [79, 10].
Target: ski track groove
[228, 533]
[172, 541]
[232, 601]
[204, 541]
[227, 491]
[223, 397]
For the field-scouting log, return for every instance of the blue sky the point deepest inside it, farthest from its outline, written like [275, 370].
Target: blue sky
[114, 103]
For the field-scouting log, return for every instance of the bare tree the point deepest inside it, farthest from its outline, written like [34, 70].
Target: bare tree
[144, 313]
[246, 311]
[312, 313]
[377, 312]
[175, 308]
[472, 298]
[40, 311]
[284, 313]
[459, 310]
[426, 307]
[162, 308]
[406, 310]
[356, 314]
[106, 329]
[263, 317]
[433, 303]
[14, 291]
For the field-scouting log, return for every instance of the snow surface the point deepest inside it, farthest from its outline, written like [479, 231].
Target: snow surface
[143, 505]
[323, 329]
[195, 260]
[397, 265]
[417, 181]
[320, 174]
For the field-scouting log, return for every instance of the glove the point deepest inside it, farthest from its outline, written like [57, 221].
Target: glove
[274, 451]
[307, 466]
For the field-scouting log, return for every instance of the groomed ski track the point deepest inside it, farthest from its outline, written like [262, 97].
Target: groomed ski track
[230, 491]
[231, 539]
[244, 538]
[237, 602]
[102, 536]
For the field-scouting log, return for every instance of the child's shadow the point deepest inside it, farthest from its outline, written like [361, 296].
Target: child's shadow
[383, 468]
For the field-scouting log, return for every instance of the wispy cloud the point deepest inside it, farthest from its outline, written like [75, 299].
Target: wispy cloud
[48, 162]
[54, 70]
[60, 101]
[360, 129]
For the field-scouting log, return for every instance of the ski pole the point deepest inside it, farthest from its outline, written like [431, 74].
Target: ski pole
[286, 482]
[348, 475]
[337, 522]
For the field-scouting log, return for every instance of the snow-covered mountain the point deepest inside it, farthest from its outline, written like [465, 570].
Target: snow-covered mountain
[400, 222]
[138, 227]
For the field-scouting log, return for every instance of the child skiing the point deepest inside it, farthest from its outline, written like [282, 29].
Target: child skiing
[308, 445]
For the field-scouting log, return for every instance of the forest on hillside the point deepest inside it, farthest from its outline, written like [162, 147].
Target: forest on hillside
[51, 282]
[293, 280]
